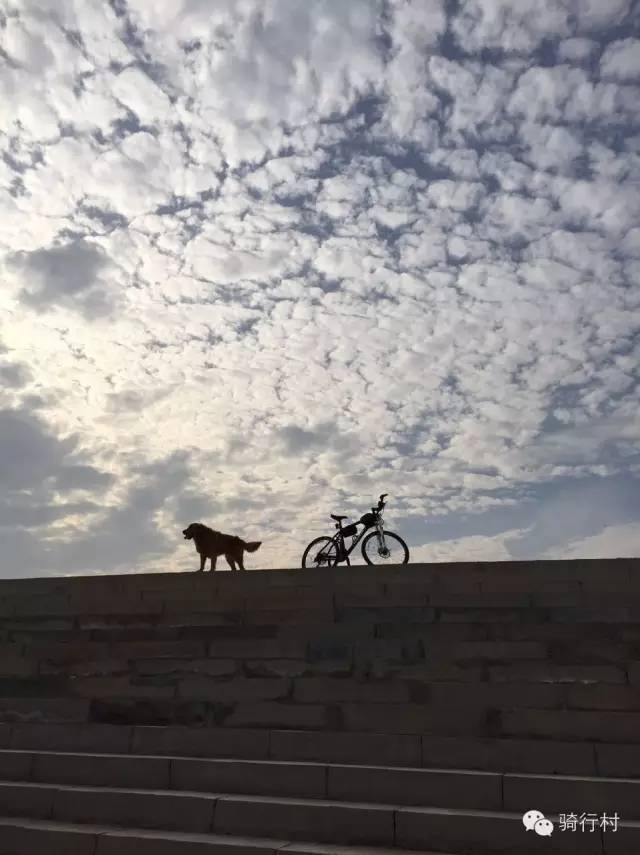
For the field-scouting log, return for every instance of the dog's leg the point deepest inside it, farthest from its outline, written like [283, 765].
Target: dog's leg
[231, 562]
[202, 560]
[241, 561]
[214, 558]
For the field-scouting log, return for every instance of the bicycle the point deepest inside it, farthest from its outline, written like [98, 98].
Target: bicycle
[330, 551]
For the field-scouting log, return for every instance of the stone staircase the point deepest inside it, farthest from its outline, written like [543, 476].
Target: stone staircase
[422, 708]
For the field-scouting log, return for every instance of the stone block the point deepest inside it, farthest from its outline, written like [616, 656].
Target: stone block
[438, 788]
[336, 690]
[17, 666]
[387, 614]
[381, 648]
[332, 747]
[276, 667]
[207, 667]
[508, 755]
[275, 715]
[25, 799]
[430, 633]
[301, 780]
[625, 840]
[469, 831]
[587, 652]
[99, 770]
[291, 617]
[118, 687]
[33, 709]
[324, 631]
[94, 604]
[31, 836]
[201, 742]
[553, 673]
[15, 765]
[527, 583]
[490, 651]
[332, 649]
[257, 648]
[618, 761]
[179, 811]
[92, 668]
[598, 726]
[141, 842]
[218, 631]
[234, 691]
[415, 676]
[603, 697]
[103, 738]
[150, 649]
[480, 600]
[444, 695]
[551, 793]
[300, 820]
[412, 718]
[150, 711]
[382, 598]
[201, 603]
[460, 582]
[49, 607]
[291, 599]
[71, 651]
[450, 614]
[611, 614]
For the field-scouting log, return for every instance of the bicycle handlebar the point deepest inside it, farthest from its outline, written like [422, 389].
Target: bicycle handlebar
[380, 502]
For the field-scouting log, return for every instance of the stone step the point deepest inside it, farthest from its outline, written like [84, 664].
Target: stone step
[488, 754]
[27, 836]
[433, 631]
[352, 783]
[463, 660]
[339, 823]
[455, 788]
[572, 725]
[538, 710]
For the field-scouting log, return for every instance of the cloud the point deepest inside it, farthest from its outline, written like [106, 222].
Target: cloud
[615, 541]
[621, 60]
[264, 261]
[14, 374]
[67, 275]
[473, 548]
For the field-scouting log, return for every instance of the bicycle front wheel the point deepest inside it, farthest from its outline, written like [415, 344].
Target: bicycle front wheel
[321, 552]
[393, 551]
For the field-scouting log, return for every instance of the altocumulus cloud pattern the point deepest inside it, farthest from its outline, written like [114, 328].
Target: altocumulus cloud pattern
[264, 259]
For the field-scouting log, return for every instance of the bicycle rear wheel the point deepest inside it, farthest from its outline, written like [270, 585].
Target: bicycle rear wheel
[321, 552]
[395, 550]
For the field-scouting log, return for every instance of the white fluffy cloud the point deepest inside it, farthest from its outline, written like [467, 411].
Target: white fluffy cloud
[265, 260]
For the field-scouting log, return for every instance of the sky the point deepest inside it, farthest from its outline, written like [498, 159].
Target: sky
[263, 260]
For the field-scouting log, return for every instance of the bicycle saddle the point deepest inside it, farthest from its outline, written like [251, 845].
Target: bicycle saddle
[337, 518]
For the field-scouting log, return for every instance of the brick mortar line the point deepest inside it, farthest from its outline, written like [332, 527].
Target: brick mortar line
[212, 825]
[53, 804]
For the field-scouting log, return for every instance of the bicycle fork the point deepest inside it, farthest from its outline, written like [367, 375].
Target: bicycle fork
[382, 546]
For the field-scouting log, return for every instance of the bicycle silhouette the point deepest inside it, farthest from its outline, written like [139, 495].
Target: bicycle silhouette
[379, 546]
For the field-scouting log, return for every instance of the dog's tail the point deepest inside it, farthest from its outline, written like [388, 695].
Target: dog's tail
[251, 547]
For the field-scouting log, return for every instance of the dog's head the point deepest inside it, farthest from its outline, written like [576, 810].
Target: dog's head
[191, 531]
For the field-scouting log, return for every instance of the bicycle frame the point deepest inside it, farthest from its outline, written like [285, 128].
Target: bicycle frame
[338, 538]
